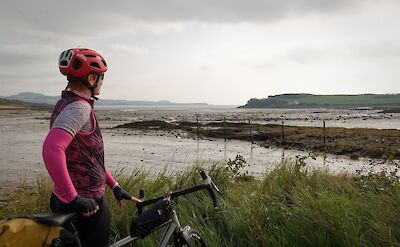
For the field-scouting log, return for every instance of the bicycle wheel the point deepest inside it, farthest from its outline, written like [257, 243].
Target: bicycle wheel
[193, 239]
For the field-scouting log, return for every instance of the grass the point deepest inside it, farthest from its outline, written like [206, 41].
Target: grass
[6, 104]
[350, 99]
[10, 107]
[289, 206]
[293, 100]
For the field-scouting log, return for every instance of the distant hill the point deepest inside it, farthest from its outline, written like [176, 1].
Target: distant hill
[339, 101]
[34, 98]
[17, 104]
[52, 100]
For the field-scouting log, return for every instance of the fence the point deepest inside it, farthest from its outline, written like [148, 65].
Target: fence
[250, 127]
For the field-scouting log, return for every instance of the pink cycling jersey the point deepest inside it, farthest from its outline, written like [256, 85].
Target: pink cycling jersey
[76, 162]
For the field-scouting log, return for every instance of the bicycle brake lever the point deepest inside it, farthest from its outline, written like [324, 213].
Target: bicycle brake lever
[211, 187]
[216, 188]
[203, 175]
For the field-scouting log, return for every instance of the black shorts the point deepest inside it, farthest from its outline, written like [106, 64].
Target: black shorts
[93, 230]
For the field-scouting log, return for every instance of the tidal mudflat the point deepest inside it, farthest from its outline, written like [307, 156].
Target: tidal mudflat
[22, 132]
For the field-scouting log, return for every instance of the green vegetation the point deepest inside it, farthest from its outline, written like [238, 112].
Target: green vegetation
[12, 104]
[287, 207]
[310, 100]
[6, 104]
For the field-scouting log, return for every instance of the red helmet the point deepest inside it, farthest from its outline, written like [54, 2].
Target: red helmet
[80, 62]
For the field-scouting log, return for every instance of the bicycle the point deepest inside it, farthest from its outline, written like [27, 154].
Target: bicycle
[164, 215]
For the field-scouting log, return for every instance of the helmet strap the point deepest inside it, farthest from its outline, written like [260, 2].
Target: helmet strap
[92, 87]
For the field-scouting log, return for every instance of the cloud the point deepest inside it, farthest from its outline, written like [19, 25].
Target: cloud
[195, 42]
[310, 55]
[90, 17]
[24, 54]
[121, 48]
[383, 50]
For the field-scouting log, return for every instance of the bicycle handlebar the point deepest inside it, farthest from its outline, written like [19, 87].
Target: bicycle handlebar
[211, 187]
[207, 184]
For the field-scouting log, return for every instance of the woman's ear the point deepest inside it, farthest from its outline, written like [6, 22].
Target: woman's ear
[92, 78]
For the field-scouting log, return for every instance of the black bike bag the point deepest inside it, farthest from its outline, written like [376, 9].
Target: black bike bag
[151, 219]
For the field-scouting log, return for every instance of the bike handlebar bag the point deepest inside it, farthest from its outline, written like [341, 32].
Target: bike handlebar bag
[143, 224]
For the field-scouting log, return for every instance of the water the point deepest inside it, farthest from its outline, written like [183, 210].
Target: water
[160, 150]
[163, 107]
[134, 148]
[296, 117]
[23, 133]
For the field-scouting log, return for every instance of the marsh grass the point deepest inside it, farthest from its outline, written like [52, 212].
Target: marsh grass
[289, 206]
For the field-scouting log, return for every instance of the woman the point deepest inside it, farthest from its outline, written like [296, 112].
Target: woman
[73, 150]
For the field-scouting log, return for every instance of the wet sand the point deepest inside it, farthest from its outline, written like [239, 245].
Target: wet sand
[294, 117]
[23, 131]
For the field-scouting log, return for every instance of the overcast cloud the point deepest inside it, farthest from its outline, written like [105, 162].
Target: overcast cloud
[219, 52]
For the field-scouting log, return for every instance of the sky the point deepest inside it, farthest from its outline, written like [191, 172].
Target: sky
[221, 52]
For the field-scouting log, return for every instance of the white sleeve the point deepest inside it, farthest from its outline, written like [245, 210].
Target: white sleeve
[73, 117]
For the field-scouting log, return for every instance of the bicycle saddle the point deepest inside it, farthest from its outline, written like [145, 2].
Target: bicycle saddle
[53, 219]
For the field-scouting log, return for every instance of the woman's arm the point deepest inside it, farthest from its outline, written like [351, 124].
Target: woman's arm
[55, 161]
[110, 180]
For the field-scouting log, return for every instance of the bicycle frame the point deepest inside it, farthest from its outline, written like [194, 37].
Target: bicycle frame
[172, 227]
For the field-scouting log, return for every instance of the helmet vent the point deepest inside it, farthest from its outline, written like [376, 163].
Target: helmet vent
[104, 62]
[76, 64]
[64, 63]
[70, 55]
[61, 55]
[88, 55]
[96, 65]
[65, 58]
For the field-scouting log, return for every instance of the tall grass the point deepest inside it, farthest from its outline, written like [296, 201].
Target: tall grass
[289, 206]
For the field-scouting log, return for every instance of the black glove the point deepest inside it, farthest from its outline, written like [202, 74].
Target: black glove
[121, 194]
[83, 204]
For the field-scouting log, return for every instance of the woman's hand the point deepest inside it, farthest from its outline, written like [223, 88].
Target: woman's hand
[135, 199]
[87, 206]
[121, 195]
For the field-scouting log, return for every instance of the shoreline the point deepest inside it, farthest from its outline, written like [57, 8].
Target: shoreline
[354, 143]
[24, 130]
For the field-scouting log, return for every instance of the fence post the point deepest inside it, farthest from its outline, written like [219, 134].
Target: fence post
[283, 132]
[225, 128]
[197, 124]
[324, 133]
[251, 133]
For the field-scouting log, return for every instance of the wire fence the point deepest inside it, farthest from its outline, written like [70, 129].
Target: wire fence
[250, 127]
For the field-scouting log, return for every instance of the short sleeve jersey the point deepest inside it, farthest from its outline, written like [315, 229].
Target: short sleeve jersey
[75, 117]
